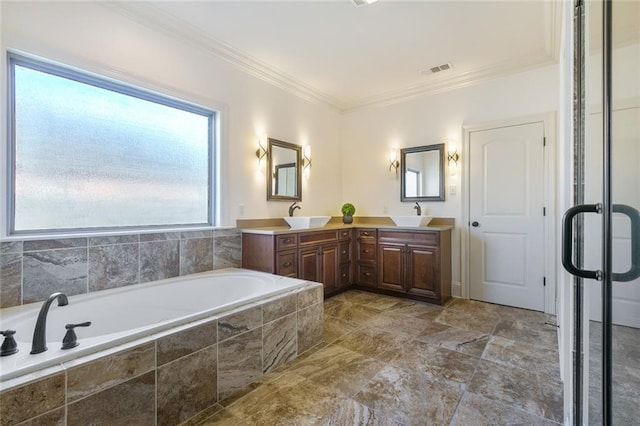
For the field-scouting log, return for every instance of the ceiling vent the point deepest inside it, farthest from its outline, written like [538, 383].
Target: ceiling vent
[359, 3]
[436, 69]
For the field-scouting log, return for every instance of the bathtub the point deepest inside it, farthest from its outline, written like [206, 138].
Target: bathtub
[134, 312]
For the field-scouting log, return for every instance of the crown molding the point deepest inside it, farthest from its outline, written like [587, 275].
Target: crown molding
[452, 82]
[150, 16]
[552, 27]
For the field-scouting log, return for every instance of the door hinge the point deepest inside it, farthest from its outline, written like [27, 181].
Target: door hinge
[544, 211]
[544, 281]
[544, 141]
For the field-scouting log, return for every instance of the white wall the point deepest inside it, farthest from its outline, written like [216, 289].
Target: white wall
[350, 152]
[93, 37]
[369, 134]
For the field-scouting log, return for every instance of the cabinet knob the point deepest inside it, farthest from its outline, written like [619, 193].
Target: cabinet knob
[286, 264]
[365, 233]
[366, 251]
[344, 252]
[286, 240]
[367, 274]
[344, 275]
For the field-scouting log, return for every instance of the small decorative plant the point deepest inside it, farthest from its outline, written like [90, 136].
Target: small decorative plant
[348, 211]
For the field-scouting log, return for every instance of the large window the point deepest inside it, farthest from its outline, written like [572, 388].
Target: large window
[90, 153]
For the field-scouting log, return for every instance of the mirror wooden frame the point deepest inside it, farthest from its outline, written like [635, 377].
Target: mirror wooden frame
[403, 172]
[270, 190]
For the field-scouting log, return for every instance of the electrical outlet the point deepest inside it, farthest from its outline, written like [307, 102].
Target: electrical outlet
[453, 190]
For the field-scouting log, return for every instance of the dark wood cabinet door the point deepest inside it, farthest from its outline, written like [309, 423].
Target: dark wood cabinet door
[391, 266]
[309, 264]
[422, 271]
[330, 261]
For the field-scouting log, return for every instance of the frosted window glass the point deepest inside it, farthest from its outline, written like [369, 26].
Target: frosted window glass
[89, 157]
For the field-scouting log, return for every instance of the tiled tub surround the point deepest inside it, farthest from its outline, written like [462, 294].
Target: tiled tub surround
[32, 270]
[170, 377]
[128, 313]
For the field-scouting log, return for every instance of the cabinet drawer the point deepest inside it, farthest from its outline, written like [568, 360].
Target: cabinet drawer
[344, 234]
[366, 275]
[286, 264]
[289, 241]
[344, 251]
[429, 238]
[366, 251]
[345, 275]
[317, 237]
[367, 233]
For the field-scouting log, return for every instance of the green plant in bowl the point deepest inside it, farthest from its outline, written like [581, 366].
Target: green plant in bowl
[348, 210]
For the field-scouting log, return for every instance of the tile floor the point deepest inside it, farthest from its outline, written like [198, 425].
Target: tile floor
[390, 361]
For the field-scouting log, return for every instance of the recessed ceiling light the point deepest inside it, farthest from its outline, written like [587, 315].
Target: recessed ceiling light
[359, 3]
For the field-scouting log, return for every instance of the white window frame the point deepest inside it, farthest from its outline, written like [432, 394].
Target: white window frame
[117, 86]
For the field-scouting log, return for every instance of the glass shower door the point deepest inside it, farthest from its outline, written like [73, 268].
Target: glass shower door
[607, 255]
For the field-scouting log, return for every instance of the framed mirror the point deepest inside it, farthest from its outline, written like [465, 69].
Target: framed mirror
[422, 177]
[283, 163]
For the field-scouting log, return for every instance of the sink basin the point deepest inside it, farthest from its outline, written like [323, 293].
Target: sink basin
[306, 222]
[411, 221]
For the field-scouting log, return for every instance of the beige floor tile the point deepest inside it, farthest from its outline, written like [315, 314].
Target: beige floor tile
[409, 397]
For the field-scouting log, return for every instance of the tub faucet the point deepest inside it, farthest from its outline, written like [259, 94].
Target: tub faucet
[418, 209]
[40, 333]
[293, 208]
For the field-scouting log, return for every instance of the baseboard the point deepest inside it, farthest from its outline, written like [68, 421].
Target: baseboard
[456, 289]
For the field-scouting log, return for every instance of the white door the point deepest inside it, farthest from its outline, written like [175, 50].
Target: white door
[506, 230]
[625, 173]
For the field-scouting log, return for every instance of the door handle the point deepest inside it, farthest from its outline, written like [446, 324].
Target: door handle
[475, 224]
[567, 240]
[634, 217]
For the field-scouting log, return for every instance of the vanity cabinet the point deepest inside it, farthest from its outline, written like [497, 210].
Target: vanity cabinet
[321, 256]
[415, 263]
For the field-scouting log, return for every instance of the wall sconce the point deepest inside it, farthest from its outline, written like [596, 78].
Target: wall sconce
[261, 152]
[393, 160]
[453, 156]
[306, 160]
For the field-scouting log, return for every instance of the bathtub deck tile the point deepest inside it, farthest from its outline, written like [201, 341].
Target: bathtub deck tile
[279, 342]
[187, 386]
[227, 252]
[310, 296]
[185, 342]
[196, 255]
[159, 260]
[113, 266]
[239, 322]
[48, 392]
[10, 279]
[310, 327]
[129, 403]
[59, 243]
[56, 417]
[48, 271]
[239, 362]
[278, 308]
[105, 372]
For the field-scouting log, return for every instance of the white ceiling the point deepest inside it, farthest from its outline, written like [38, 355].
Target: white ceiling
[350, 57]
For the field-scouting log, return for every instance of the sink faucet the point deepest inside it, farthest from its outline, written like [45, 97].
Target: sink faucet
[418, 209]
[40, 333]
[293, 208]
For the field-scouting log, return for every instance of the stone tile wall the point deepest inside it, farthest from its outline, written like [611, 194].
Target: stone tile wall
[172, 376]
[32, 270]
